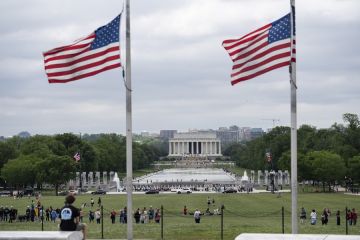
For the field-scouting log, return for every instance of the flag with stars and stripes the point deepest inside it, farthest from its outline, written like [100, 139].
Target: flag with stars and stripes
[268, 156]
[96, 53]
[261, 51]
[77, 157]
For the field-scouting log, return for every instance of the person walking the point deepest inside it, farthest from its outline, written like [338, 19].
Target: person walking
[99, 202]
[313, 217]
[302, 215]
[122, 216]
[125, 215]
[53, 215]
[324, 217]
[197, 216]
[137, 216]
[185, 210]
[91, 216]
[349, 217]
[354, 216]
[97, 216]
[338, 217]
[69, 216]
[47, 214]
[157, 215]
[151, 214]
[113, 216]
[81, 215]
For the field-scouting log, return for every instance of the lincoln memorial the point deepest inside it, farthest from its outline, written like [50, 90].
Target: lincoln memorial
[202, 144]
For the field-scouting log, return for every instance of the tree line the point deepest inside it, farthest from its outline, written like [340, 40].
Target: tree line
[50, 159]
[327, 156]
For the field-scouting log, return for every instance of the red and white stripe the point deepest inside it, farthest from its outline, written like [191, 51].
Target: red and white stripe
[252, 55]
[77, 61]
[77, 157]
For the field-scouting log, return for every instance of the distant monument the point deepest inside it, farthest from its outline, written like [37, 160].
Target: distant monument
[195, 144]
[245, 177]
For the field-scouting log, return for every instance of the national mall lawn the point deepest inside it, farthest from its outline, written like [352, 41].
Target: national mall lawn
[243, 213]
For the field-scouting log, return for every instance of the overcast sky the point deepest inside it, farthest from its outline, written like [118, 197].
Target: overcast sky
[180, 72]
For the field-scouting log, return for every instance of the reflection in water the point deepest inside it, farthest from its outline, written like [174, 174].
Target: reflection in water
[189, 175]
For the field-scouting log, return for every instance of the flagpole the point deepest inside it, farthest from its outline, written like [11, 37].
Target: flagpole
[129, 186]
[80, 166]
[294, 192]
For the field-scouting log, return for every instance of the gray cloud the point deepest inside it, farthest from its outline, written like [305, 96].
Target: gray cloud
[180, 72]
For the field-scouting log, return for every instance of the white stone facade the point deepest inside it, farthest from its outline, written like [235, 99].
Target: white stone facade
[194, 144]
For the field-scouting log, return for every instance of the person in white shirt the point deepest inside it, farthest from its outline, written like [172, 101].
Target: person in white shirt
[197, 215]
[313, 216]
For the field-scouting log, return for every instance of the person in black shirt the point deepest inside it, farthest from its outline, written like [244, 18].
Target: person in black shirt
[69, 216]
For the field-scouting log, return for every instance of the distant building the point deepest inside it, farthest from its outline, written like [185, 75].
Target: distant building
[24, 134]
[245, 134]
[227, 135]
[145, 134]
[167, 134]
[202, 144]
[255, 133]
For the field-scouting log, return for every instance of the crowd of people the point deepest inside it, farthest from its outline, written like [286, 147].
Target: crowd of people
[351, 216]
[8, 213]
[147, 216]
[34, 212]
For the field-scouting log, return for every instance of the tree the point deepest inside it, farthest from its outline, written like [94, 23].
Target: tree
[306, 134]
[326, 167]
[354, 168]
[352, 133]
[70, 141]
[284, 161]
[21, 171]
[352, 119]
[110, 149]
[56, 170]
[7, 152]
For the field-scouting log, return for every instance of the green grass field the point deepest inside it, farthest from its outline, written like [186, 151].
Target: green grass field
[260, 213]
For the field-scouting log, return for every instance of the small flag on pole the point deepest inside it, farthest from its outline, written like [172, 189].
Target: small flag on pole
[77, 157]
[260, 51]
[98, 52]
[268, 156]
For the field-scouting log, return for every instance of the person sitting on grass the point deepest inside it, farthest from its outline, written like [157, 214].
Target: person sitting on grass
[70, 217]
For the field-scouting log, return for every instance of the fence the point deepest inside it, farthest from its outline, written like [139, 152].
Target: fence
[224, 224]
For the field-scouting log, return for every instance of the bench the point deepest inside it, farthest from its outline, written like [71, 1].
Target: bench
[41, 235]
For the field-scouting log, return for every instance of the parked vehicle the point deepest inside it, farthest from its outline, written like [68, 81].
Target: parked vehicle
[73, 192]
[230, 190]
[63, 193]
[5, 193]
[29, 191]
[99, 192]
[152, 191]
[184, 190]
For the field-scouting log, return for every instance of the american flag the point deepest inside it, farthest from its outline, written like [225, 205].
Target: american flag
[77, 157]
[268, 156]
[98, 52]
[261, 51]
